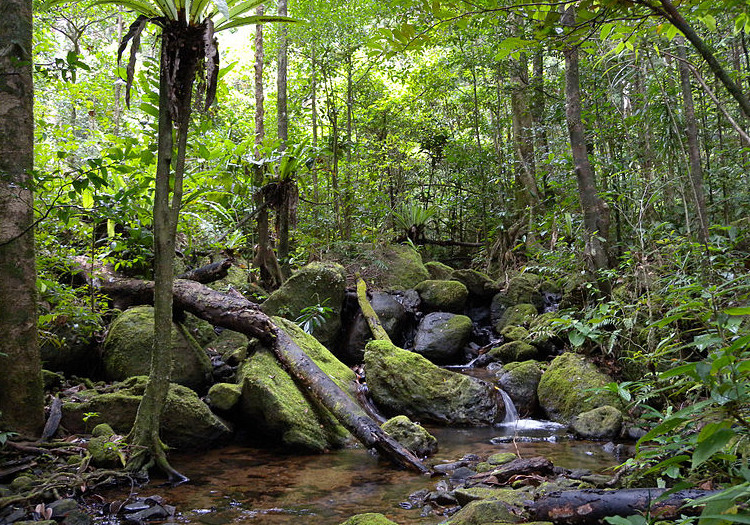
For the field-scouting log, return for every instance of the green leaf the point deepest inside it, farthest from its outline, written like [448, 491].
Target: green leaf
[710, 22]
[711, 445]
[741, 310]
[255, 19]
[222, 6]
[576, 338]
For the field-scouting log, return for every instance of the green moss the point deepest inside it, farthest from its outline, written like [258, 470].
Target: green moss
[501, 458]
[443, 296]
[565, 389]
[127, 350]
[104, 452]
[438, 270]
[604, 422]
[403, 268]
[370, 518]
[274, 403]
[513, 351]
[411, 435]
[315, 284]
[224, 396]
[404, 382]
[518, 315]
[478, 283]
[515, 333]
[484, 512]
[102, 430]
[509, 496]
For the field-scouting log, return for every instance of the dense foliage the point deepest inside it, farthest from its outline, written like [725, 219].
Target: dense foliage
[441, 121]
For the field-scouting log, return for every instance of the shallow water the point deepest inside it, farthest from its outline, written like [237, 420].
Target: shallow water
[241, 485]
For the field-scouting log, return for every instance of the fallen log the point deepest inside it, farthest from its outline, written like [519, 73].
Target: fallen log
[536, 466]
[587, 506]
[237, 313]
[373, 321]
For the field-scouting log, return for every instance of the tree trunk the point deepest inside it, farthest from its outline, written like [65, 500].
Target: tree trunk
[373, 321]
[314, 116]
[21, 392]
[592, 505]
[694, 153]
[595, 210]
[281, 80]
[522, 133]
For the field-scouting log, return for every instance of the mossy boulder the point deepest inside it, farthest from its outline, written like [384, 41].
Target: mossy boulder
[520, 381]
[485, 512]
[411, 435]
[510, 497]
[518, 315]
[515, 333]
[186, 421]
[600, 423]
[442, 336]
[224, 396]
[273, 404]
[105, 452]
[402, 268]
[442, 296]
[202, 331]
[525, 289]
[479, 284]
[315, 284]
[403, 382]
[393, 318]
[565, 389]
[127, 350]
[438, 270]
[228, 342]
[513, 351]
[369, 518]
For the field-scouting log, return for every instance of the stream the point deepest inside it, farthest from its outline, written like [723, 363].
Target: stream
[241, 485]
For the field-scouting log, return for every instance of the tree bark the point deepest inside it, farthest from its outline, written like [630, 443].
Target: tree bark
[281, 80]
[21, 392]
[591, 505]
[373, 321]
[694, 153]
[595, 210]
[522, 133]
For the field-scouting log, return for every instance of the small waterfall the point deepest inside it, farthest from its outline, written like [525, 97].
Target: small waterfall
[511, 414]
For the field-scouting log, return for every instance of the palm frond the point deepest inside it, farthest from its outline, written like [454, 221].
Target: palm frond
[197, 9]
[255, 19]
[240, 8]
[141, 7]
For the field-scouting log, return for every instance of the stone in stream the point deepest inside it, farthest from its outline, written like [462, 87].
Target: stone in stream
[370, 518]
[520, 381]
[442, 336]
[442, 296]
[403, 382]
[600, 423]
[411, 435]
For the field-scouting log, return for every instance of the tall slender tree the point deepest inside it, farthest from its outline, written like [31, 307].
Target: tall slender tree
[21, 396]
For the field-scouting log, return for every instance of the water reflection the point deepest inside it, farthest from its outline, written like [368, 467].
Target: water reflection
[246, 485]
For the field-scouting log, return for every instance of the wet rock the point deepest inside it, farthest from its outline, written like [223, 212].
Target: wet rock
[520, 381]
[273, 405]
[127, 350]
[479, 284]
[501, 458]
[411, 435]
[525, 289]
[442, 296]
[186, 421]
[370, 518]
[62, 507]
[439, 270]
[393, 318]
[403, 382]
[604, 422]
[462, 473]
[515, 333]
[509, 496]
[565, 389]
[77, 517]
[102, 430]
[22, 483]
[442, 336]
[106, 452]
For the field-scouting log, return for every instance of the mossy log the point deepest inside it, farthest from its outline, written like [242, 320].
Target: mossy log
[373, 321]
[592, 505]
[237, 313]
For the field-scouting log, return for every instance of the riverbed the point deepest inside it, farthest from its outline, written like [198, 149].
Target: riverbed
[238, 485]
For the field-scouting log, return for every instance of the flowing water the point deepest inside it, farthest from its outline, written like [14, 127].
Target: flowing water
[238, 485]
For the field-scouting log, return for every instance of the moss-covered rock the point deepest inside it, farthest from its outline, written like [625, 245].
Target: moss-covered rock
[485, 512]
[501, 458]
[402, 268]
[441, 336]
[442, 296]
[411, 435]
[186, 421]
[229, 342]
[102, 430]
[438, 270]
[511, 497]
[565, 389]
[515, 333]
[272, 403]
[518, 315]
[403, 382]
[604, 422]
[520, 381]
[393, 318]
[127, 350]
[224, 396]
[315, 284]
[105, 452]
[525, 289]
[369, 518]
[513, 351]
[479, 284]
[202, 331]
